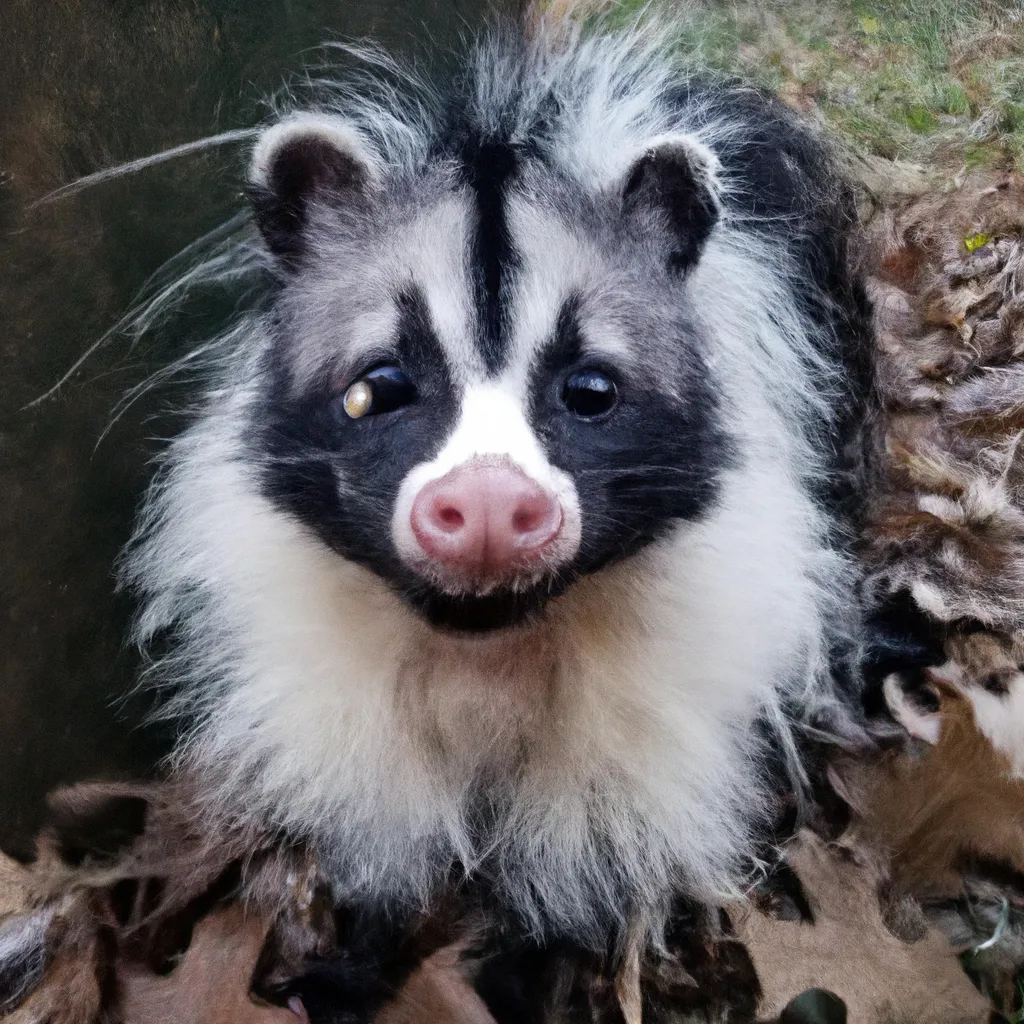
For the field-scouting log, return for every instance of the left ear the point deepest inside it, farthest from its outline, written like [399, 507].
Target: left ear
[676, 180]
[304, 160]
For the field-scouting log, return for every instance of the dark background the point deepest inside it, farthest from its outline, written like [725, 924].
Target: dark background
[88, 84]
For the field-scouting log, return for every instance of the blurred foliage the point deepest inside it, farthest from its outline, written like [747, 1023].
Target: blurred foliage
[931, 81]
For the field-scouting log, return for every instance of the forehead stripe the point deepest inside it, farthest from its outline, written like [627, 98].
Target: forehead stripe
[489, 166]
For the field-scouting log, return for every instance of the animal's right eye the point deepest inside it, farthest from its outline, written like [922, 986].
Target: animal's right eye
[383, 389]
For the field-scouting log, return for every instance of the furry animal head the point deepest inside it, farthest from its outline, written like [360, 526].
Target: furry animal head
[500, 546]
[486, 375]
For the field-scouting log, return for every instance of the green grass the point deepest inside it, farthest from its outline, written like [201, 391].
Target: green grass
[1018, 1017]
[931, 81]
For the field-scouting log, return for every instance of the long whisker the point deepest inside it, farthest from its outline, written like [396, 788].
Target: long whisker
[133, 166]
[168, 298]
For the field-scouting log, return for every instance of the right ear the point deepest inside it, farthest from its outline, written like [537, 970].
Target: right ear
[306, 159]
[677, 177]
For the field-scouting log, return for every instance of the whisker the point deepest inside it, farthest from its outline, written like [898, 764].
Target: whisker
[134, 166]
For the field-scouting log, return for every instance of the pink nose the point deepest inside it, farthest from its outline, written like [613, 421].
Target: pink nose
[485, 519]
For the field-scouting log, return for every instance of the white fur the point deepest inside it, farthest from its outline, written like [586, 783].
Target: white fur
[615, 734]
[331, 129]
[702, 160]
[492, 423]
[324, 705]
[634, 699]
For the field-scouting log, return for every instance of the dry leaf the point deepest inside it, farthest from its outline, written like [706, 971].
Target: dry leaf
[438, 992]
[211, 984]
[849, 951]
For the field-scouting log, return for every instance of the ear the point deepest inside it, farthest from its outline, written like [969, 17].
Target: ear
[676, 180]
[306, 159]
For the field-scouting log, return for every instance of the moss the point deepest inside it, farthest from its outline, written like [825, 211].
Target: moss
[977, 156]
[919, 118]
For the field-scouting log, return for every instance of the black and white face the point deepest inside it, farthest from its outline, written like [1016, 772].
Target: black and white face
[486, 381]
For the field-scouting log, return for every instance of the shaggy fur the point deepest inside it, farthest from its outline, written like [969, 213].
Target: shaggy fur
[609, 748]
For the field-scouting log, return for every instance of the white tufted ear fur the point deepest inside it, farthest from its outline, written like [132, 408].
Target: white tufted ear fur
[676, 180]
[303, 159]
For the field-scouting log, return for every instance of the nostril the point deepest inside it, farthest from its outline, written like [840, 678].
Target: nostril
[450, 519]
[448, 522]
[485, 520]
[535, 521]
[526, 519]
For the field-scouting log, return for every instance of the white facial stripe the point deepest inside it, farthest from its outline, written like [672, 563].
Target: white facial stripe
[372, 332]
[427, 253]
[492, 423]
[432, 253]
[556, 264]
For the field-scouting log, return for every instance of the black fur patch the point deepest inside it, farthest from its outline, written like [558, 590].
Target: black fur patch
[664, 180]
[341, 476]
[489, 166]
[651, 462]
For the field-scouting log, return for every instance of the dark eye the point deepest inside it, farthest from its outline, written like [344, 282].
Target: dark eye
[383, 389]
[589, 393]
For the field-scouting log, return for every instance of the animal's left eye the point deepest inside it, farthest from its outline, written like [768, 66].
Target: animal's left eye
[589, 393]
[383, 389]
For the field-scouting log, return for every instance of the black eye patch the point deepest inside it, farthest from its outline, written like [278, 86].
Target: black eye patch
[340, 474]
[642, 456]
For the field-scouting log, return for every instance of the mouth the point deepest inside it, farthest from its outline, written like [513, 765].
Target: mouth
[498, 609]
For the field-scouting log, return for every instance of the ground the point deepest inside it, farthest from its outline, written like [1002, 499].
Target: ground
[937, 82]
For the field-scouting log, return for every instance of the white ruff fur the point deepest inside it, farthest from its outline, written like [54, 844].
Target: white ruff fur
[615, 734]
